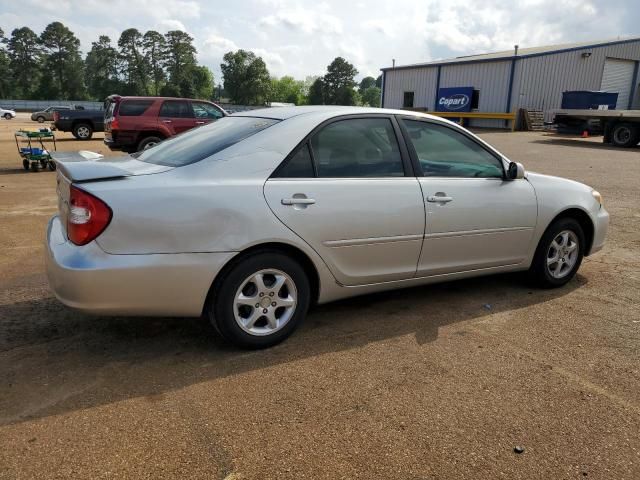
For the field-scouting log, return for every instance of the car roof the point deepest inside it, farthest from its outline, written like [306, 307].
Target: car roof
[327, 111]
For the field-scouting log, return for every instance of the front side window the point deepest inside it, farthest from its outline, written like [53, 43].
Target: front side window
[361, 147]
[444, 152]
[199, 143]
[205, 111]
[176, 109]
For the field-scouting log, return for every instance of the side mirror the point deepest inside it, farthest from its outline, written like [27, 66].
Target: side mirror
[515, 171]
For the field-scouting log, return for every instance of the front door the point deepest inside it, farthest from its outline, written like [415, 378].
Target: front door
[475, 217]
[346, 194]
[176, 116]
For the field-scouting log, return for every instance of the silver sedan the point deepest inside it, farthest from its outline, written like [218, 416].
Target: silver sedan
[252, 219]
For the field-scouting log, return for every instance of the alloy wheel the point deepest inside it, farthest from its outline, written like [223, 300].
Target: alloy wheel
[562, 254]
[265, 302]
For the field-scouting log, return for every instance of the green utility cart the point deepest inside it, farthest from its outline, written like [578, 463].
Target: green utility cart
[34, 157]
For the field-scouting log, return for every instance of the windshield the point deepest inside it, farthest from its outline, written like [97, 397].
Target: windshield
[202, 142]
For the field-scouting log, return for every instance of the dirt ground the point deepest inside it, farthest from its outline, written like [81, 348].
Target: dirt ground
[433, 382]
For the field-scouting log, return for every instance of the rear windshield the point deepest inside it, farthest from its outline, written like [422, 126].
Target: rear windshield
[133, 108]
[202, 142]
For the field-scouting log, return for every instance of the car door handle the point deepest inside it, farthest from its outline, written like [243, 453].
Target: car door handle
[298, 201]
[166, 121]
[439, 199]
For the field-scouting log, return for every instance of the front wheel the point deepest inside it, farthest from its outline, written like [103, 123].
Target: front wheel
[260, 301]
[559, 254]
[8, 116]
[40, 119]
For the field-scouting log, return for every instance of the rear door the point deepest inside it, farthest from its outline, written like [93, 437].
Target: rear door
[349, 192]
[205, 112]
[176, 116]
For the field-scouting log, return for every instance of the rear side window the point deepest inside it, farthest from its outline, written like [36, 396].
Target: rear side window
[361, 147]
[176, 109]
[200, 143]
[299, 165]
[133, 108]
[205, 110]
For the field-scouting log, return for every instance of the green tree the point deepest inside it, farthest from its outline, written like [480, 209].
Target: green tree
[339, 83]
[366, 82]
[316, 92]
[101, 72]
[287, 89]
[63, 63]
[202, 82]
[371, 96]
[134, 64]
[24, 53]
[246, 78]
[154, 47]
[379, 81]
[6, 81]
[179, 58]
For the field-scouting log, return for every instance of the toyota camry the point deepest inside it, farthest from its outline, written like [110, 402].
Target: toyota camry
[251, 220]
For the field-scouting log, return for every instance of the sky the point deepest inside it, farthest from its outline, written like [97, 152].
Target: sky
[300, 38]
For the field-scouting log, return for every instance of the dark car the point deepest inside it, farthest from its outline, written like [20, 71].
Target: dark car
[47, 114]
[135, 123]
[82, 123]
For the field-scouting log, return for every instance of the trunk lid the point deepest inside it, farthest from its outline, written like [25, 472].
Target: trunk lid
[82, 167]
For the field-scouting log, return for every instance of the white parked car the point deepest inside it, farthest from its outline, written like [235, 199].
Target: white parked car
[252, 219]
[7, 114]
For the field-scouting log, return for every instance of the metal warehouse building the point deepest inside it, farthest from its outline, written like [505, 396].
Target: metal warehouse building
[531, 78]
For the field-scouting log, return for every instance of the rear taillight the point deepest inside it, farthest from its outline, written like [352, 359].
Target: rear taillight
[114, 123]
[88, 216]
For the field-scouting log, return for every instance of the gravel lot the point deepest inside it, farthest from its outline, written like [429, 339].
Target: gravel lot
[433, 382]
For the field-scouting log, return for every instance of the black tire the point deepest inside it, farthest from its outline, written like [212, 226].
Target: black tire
[26, 165]
[82, 131]
[35, 167]
[40, 119]
[625, 135]
[148, 142]
[540, 273]
[220, 309]
[8, 116]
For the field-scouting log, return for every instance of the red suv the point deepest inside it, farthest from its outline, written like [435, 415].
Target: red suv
[135, 123]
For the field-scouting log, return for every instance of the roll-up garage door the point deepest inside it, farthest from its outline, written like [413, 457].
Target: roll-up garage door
[618, 77]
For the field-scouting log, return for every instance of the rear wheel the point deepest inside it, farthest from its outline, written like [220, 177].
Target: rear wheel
[559, 254]
[82, 131]
[148, 142]
[40, 119]
[7, 116]
[260, 301]
[625, 135]
[26, 164]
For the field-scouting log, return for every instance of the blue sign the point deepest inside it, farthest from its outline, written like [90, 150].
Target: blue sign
[455, 99]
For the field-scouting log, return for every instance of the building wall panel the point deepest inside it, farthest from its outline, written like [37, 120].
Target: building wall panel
[421, 81]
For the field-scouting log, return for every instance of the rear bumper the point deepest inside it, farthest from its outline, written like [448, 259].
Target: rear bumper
[88, 279]
[601, 225]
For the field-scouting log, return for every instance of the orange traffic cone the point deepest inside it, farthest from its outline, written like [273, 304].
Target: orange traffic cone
[585, 134]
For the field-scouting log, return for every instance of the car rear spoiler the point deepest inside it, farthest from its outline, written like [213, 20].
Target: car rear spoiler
[85, 166]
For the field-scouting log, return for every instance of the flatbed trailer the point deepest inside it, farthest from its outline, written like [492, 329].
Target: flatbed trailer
[621, 127]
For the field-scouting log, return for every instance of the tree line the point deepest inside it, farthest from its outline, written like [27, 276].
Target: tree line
[247, 81]
[50, 66]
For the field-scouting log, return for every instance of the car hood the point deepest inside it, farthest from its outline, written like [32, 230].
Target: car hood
[85, 166]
